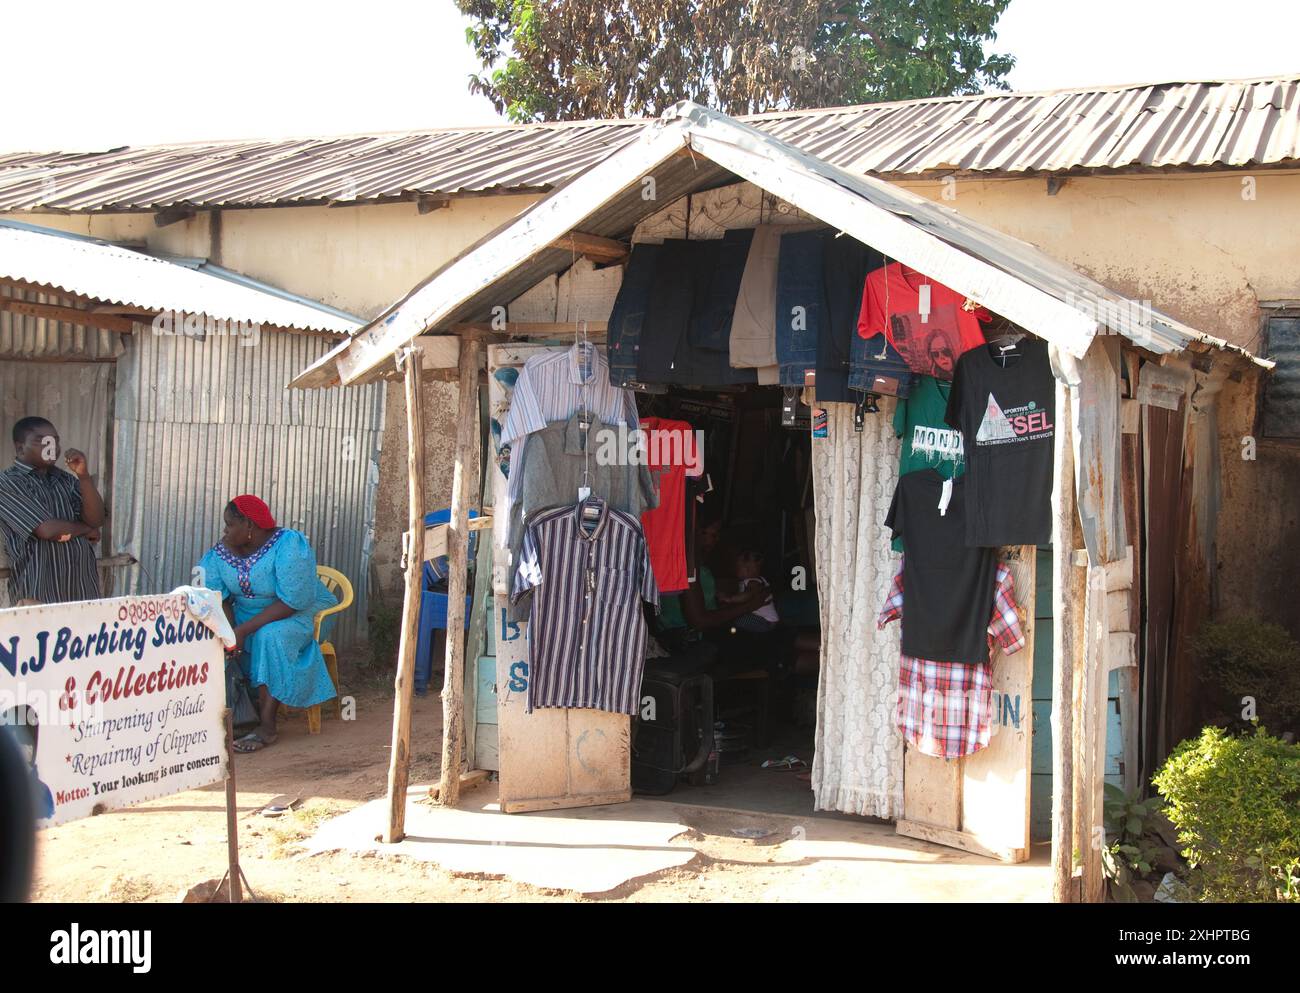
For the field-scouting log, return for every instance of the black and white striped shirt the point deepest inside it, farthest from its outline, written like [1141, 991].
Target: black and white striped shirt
[48, 571]
[586, 642]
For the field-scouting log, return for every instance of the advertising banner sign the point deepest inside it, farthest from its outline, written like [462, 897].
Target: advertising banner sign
[114, 701]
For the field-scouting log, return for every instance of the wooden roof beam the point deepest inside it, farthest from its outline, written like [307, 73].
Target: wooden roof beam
[530, 329]
[68, 315]
[592, 246]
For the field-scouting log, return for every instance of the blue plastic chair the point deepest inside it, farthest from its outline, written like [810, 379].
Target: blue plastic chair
[433, 605]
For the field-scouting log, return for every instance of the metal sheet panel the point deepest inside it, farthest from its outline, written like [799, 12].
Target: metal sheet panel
[199, 422]
[1162, 432]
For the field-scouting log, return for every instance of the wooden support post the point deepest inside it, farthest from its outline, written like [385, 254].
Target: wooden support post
[234, 880]
[1062, 652]
[453, 681]
[1091, 719]
[233, 871]
[399, 760]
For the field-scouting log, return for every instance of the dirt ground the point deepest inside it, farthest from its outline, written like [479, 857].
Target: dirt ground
[156, 851]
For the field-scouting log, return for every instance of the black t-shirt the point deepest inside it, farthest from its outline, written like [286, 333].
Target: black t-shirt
[947, 585]
[1007, 417]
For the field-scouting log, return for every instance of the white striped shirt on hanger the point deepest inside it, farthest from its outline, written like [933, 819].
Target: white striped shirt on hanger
[552, 385]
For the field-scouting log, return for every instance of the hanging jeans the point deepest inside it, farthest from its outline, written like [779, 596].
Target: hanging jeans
[846, 264]
[800, 304]
[875, 366]
[711, 318]
[626, 319]
[667, 311]
[684, 337]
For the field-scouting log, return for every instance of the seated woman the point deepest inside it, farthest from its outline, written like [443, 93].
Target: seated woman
[693, 625]
[267, 578]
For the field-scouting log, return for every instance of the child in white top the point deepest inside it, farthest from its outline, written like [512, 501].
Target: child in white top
[749, 567]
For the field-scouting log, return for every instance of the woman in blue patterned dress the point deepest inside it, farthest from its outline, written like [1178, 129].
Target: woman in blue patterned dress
[267, 578]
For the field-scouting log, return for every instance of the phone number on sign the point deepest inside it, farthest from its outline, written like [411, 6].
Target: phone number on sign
[138, 611]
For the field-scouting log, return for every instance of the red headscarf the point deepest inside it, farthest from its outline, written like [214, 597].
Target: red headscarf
[255, 511]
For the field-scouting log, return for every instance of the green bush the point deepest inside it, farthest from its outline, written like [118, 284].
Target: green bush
[1245, 657]
[1235, 800]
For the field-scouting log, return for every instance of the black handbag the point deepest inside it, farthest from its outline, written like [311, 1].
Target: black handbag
[239, 697]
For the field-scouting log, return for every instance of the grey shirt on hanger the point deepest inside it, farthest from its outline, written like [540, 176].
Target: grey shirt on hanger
[551, 464]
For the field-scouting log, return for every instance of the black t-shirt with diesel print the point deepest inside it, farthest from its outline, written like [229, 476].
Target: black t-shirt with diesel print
[1004, 404]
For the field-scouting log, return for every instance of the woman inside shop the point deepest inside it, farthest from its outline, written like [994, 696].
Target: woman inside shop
[267, 578]
[687, 618]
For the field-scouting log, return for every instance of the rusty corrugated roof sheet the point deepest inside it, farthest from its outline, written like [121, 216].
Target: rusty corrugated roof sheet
[1152, 126]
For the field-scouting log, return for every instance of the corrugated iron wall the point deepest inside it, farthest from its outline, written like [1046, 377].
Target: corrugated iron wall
[200, 421]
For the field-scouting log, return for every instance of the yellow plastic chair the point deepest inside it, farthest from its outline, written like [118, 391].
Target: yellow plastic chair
[341, 587]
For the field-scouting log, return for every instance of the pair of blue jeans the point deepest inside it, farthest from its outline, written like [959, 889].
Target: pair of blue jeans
[800, 303]
[875, 366]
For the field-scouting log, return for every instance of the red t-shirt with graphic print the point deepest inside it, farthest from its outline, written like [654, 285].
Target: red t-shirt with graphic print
[932, 342]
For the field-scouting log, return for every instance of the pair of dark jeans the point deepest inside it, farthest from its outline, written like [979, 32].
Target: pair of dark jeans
[686, 332]
[846, 263]
[715, 303]
[623, 340]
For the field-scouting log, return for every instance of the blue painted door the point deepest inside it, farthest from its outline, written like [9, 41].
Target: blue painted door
[1040, 789]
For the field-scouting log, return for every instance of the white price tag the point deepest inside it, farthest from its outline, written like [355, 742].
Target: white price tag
[945, 498]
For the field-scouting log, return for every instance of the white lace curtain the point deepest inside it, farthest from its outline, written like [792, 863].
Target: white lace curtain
[858, 765]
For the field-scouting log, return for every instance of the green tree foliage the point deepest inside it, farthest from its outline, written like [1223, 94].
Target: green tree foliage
[574, 59]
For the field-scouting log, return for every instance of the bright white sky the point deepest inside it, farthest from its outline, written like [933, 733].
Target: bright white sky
[85, 74]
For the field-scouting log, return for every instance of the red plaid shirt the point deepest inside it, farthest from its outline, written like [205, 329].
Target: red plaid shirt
[945, 708]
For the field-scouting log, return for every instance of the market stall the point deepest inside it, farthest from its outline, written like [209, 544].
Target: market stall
[882, 335]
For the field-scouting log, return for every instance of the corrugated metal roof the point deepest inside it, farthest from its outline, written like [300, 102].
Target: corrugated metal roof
[103, 271]
[1011, 277]
[1149, 126]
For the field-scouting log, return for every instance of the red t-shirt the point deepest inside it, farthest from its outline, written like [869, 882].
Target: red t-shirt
[931, 343]
[671, 453]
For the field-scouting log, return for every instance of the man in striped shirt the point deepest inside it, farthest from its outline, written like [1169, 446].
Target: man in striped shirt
[49, 519]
